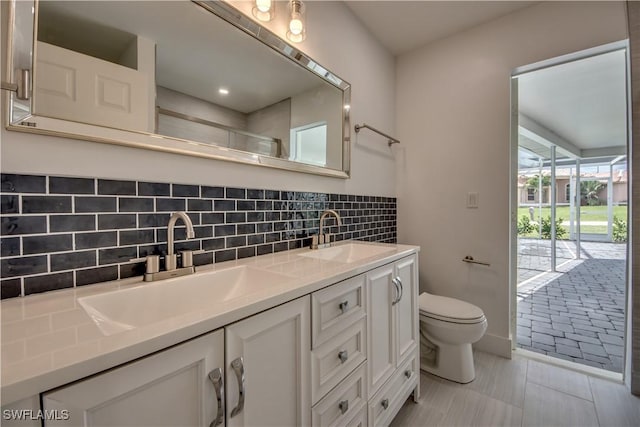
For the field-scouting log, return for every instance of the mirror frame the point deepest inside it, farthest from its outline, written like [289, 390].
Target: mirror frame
[21, 41]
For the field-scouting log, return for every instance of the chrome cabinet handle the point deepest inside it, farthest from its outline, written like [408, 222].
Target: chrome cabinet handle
[397, 287]
[385, 404]
[218, 384]
[343, 356]
[238, 367]
[344, 306]
[401, 288]
[407, 373]
[344, 406]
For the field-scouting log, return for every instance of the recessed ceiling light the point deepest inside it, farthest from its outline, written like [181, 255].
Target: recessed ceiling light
[223, 91]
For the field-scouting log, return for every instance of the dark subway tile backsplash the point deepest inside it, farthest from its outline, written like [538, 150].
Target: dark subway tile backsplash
[123, 188]
[60, 232]
[60, 223]
[96, 275]
[95, 204]
[47, 243]
[23, 184]
[153, 189]
[185, 190]
[71, 185]
[48, 282]
[72, 261]
[46, 204]
[96, 240]
[9, 246]
[10, 204]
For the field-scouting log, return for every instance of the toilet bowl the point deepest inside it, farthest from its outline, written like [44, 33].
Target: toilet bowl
[448, 327]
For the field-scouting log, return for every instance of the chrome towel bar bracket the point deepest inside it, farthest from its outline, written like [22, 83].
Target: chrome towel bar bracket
[391, 139]
[470, 260]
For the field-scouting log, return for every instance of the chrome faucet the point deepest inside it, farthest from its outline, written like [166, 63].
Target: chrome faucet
[323, 240]
[171, 260]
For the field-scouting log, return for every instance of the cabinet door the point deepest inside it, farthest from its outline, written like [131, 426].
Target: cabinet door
[169, 388]
[406, 308]
[380, 326]
[267, 367]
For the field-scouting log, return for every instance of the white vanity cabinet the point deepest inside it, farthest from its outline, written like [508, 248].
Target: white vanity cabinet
[392, 336]
[342, 355]
[267, 367]
[365, 346]
[169, 388]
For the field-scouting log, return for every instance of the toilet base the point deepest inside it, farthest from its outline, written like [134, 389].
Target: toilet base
[454, 363]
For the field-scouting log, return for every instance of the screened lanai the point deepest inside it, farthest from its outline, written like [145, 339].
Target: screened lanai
[572, 193]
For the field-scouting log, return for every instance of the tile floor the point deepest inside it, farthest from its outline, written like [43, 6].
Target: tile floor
[576, 313]
[521, 392]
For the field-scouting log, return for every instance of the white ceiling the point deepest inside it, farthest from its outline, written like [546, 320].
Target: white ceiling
[402, 26]
[583, 102]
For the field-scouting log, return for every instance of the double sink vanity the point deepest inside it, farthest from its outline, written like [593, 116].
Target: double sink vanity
[302, 337]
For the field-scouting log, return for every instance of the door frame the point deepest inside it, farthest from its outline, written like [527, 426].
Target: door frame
[513, 187]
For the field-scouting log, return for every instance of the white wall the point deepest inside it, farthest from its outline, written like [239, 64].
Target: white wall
[311, 107]
[335, 39]
[453, 117]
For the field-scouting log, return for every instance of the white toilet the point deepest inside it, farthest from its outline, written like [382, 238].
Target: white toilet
[448, 327]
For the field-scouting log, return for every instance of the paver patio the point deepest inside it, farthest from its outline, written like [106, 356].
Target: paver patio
[576, 313]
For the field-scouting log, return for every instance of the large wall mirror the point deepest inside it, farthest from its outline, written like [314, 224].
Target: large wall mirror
[190, 77]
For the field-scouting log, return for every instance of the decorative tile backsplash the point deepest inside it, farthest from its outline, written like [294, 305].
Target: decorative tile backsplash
[60, 232]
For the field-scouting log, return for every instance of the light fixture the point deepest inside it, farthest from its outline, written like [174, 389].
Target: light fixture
[297, 31]
[223, 91]
[264, 10]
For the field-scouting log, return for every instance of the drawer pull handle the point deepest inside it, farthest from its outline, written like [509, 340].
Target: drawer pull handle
[344, 406]
[344, 306]
[401, 287]
[215, 377]
[238, 367]
[385, 404]
[396, 285]
[343, 356]
[407, 373]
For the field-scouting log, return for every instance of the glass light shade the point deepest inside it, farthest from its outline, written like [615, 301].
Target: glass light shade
[297, 28]
[264, 10]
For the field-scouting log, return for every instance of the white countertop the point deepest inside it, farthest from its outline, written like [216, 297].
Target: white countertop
[48, 340]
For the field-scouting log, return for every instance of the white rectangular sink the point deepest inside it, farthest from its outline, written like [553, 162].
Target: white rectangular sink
[153, 302]
[348, 253]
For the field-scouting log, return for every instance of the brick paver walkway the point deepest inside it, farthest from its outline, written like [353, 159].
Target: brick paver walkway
[576, 313]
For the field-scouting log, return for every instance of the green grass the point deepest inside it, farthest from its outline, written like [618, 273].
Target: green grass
[587, 213]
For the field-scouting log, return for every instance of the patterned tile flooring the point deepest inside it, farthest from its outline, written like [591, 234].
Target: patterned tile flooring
[577, 312]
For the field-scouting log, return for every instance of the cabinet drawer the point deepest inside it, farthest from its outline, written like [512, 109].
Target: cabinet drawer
[386, 403]
[335, 359]
[336, 307]
[360, 420]
[344, 403]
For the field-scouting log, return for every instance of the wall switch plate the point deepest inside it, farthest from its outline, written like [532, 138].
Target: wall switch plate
[472, 200]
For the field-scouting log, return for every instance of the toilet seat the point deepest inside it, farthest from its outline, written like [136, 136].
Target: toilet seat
[449, 309]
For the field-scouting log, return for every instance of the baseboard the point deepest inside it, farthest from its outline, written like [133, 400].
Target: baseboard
[494, 344]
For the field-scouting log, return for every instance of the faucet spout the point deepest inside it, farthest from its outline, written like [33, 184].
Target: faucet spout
[325, 214]
[171, 229]
[323, 240]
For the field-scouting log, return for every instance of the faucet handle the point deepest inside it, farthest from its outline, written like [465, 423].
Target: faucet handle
[187, 258]
[152, 263]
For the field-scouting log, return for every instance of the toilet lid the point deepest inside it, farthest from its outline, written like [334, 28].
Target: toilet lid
[448, 308]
